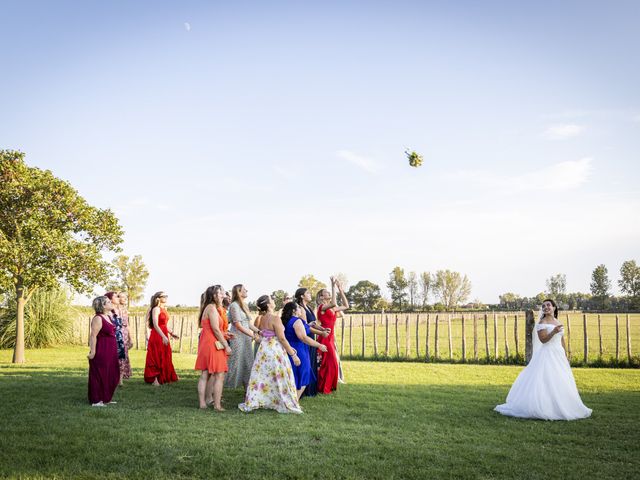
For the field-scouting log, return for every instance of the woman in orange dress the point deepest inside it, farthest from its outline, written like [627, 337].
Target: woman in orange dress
[158, 368]
[213, 348]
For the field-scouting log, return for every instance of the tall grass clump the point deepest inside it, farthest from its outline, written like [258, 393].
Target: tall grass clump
[48, 319]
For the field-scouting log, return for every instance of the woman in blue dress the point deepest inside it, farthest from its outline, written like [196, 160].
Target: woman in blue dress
[297, 332]
[303, 298]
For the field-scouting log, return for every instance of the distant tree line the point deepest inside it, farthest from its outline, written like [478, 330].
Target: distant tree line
[599, 298]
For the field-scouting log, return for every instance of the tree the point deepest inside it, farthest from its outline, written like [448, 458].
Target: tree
[312, 284]
[412, 287]
[364, 296]
[557, 286]
[511, 301]
[278, 298]
[630, 280]
[342, 278]
[48, 234]
[397, 284]
[451, 288]
[426, 285]
[131, 277]
[600, 285]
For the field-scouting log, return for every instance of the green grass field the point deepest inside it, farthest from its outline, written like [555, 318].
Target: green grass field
[392, 420]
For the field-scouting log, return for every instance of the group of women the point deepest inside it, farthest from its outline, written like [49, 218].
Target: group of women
[276, 358]
[109, 344]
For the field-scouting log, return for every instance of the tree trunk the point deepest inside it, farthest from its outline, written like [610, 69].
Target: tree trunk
[18, 352]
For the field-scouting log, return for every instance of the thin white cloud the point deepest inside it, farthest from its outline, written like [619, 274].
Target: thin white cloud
[367, 164]
[558, 177]
[563, 131]
[187, 26]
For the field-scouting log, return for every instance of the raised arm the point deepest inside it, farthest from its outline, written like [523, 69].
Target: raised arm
[343, 297]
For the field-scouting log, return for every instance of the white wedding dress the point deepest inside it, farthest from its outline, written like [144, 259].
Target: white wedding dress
[545, 389]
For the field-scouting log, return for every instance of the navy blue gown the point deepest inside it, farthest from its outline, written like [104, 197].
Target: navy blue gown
[302, 372]
[312, 388]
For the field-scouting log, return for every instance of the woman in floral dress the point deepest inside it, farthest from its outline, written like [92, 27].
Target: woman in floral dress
[271, 384]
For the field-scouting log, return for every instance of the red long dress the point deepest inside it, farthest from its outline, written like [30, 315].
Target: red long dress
[328, 366]
[104, 369]
[159, 363]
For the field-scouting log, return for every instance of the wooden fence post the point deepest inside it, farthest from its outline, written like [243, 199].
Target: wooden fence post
[506, 339]
[617, 337]
[486, 335]
[181, 330]
[418, 335]
[569, 336]
[407, 338]
[628, 340]
[190, 336]
[495, 334]
[464, 342]
[529, 324]
[599, 338]
[386, 340]
[342, 337]
[515, 334]
[137, 320]
[375, 337]
[436, 346]
[363, 337]
[586, 338]
[351, 335]
[426, 344]
[475, 337]
[397, 338]
[450, 339]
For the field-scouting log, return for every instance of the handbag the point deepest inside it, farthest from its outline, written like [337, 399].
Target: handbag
[219, 345]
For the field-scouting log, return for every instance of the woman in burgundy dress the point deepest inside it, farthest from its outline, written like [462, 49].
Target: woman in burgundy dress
[328, 370]
[158, 368]
[104, 370]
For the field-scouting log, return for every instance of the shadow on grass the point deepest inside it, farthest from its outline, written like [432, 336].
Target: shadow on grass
[361, 431]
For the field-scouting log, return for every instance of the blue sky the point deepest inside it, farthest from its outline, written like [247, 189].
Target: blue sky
[256, 142]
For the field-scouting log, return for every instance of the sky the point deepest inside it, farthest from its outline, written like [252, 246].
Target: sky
[257, 142]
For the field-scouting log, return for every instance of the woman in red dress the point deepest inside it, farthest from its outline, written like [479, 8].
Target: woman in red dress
[158, 368]
[213, 348]
[328, 371]
[104, 370]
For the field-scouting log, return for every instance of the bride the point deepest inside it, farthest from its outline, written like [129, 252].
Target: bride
[546, 389]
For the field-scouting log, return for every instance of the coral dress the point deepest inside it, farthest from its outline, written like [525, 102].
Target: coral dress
[328, 370]
[209, 357]
[104, 371]
[159, 363]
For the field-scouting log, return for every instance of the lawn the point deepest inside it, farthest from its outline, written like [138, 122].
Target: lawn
[392, 420]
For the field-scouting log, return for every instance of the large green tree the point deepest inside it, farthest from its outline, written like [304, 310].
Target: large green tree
[412, 289]
[426, 287]
[397, 284]
[364, 296]
[48, 234]
[629, 281]
[600, 285]
[312, 284]
[451, 288]
[130, 276]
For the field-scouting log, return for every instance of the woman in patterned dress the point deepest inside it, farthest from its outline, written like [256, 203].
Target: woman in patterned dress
[244, 332]
[116, 319]
[272, 384]
[125, 365]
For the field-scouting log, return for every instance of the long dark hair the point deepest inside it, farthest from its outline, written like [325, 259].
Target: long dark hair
[155, 300]
[299, 294]
[207, 298]
[287, 312]
[555, 307]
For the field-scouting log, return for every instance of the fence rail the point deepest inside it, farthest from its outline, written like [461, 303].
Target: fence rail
[497, 337]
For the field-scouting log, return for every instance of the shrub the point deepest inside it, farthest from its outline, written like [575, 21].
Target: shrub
[48, 320]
